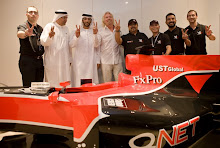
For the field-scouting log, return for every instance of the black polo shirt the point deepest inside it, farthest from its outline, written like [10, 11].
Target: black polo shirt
[30, 45]
[159, 43]
[131, 41]
[177, 43]
[198, 41]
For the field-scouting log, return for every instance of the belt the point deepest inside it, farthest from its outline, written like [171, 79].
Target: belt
[34, 56]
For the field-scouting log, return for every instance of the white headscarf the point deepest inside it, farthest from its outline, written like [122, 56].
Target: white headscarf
[88, 16]
[59, 14]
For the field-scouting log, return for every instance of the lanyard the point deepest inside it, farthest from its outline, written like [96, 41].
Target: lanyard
[154, 42]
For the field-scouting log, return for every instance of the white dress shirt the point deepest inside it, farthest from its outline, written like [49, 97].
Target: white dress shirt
[57, 56]
[110, 53]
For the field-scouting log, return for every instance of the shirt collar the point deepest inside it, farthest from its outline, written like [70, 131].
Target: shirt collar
[196, 26]
[105, 27]
[173, 29]
[31, 24]
[157, 35]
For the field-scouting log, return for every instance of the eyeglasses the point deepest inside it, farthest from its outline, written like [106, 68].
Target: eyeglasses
[33, 12]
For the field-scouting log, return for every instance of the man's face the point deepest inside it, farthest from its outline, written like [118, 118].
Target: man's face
[171, 21]
[133, 28]
[86, 21]
[192, 17]
[108, 19]
[155, 28]
[32, 15]
[62, 21]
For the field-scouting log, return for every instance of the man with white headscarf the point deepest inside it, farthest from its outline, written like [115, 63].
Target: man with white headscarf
[85, 41]
[57, 57]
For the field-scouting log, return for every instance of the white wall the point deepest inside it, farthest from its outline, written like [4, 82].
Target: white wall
[12, 14]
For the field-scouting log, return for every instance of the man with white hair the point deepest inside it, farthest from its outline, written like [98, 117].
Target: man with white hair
[57, 59]
[111, 60]
[85, 41]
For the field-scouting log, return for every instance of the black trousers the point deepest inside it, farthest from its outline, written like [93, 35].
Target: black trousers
[32, 69]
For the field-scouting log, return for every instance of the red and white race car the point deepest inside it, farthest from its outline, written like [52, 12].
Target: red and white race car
[167, 101]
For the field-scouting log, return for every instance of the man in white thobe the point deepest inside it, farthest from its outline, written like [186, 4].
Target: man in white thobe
[86, 58]
[57, 57]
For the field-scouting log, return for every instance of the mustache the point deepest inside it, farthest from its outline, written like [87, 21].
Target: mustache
[171, 22]
[86, 24]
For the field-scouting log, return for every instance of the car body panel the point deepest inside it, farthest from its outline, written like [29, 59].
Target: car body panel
[143, 101]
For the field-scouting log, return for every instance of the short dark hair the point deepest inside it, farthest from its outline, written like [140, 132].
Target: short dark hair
[192, 11]
[170, 14]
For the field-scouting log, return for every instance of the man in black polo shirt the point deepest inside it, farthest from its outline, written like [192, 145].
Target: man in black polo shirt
[197, 33]
[131, 40]
[177, 36]
[159, 41]
[31, 51]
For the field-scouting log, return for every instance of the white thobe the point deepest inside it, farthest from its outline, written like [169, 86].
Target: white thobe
[86, 56]
[57, 57]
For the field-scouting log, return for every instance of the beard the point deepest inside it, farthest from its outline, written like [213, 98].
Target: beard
[171, 24]
[133, 29]
[86, 24]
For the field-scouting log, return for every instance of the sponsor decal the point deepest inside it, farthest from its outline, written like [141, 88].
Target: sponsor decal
[149, 79]
[159, 42]
[115, 102]
[166, 68]
[178, 135]
[175, 37]
[199, 32]
[129, 41]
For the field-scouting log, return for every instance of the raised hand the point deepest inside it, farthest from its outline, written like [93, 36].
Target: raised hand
[29, 31]
[77, 31]
[117, 26]
[51, 33]
[184, 34]
[207, 30]
[95, 28]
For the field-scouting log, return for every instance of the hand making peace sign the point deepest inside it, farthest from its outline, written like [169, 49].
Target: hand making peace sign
[52, 33]
[117, 26]
[95, 28]
[207, 30]
[184, 34]
[29, 31]
[77, 31]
